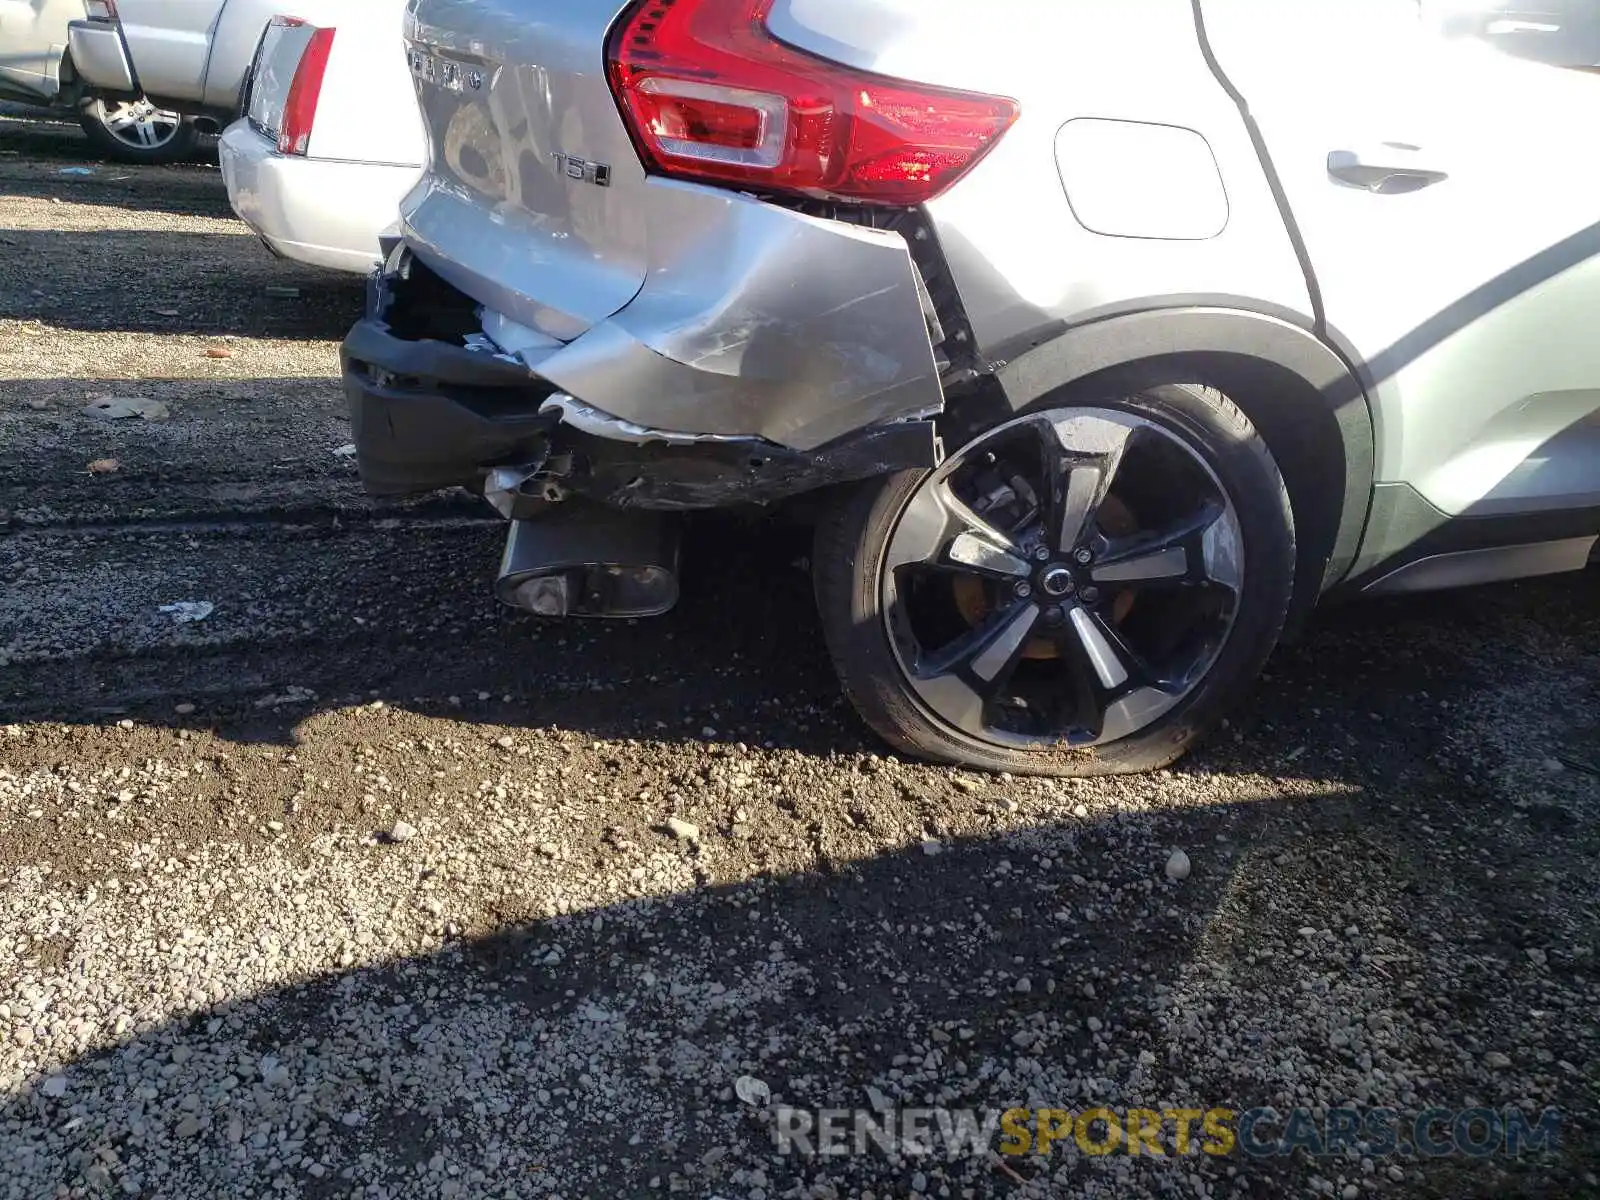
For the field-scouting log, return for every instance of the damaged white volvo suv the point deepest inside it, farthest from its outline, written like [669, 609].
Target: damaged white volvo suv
[1108, 337]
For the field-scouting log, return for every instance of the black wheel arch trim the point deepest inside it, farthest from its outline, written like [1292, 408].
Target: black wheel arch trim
[1305, 399]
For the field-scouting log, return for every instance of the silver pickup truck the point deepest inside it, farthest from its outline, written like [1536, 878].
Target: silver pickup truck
[37, 69]
[189, 57]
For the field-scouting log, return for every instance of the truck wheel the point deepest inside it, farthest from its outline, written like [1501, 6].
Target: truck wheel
[1076, 591]
[136, 131]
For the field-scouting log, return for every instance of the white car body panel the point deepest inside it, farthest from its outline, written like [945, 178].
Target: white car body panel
[169, 42]
[234, 38]
[325, 214]
[328, 207]
[33, 41]
[1015, 284]
[1469, 299]
[1560, 32]
[368, 109]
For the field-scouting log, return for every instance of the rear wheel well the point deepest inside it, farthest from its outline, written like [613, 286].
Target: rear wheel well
[1294, 420]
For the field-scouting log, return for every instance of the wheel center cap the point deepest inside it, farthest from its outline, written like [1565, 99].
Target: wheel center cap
[1057, 581]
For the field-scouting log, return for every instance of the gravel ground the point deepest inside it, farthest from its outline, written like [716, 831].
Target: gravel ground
[363, 886]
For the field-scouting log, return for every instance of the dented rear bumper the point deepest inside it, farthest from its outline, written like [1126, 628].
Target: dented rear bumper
[427, 414]
[614, 417]
[679, 344]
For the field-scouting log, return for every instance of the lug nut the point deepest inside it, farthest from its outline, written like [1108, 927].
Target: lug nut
[1090, 594]
[1041, 554]
[1083, 555]
[1023, 590]
[1054, 615]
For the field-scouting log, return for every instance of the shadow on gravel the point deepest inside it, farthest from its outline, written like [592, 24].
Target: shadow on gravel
[348, 607]
[181, 190]
[596, 1054]
[44, 134]
[319, 610]
[203, 284]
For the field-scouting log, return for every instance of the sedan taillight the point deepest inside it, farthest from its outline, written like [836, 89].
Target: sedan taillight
[709, 94]
[300, 109]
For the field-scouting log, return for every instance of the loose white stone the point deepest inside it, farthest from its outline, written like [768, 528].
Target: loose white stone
[751, 1090]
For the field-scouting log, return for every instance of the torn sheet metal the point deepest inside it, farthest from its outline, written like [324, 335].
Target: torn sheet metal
[528, 346]
[735, 332]
[590, 420]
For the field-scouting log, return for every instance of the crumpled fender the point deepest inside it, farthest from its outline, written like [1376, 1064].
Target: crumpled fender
[754, 320]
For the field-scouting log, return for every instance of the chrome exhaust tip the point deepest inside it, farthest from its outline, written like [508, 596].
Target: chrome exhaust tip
[585, 560]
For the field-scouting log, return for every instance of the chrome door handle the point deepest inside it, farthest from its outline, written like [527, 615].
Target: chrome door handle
[1388, 170]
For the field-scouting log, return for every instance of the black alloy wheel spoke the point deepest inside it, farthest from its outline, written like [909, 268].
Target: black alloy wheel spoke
[1175, 555]
[938, 530]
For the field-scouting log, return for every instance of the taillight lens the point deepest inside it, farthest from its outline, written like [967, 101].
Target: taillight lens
[708, 93]
[300, 108]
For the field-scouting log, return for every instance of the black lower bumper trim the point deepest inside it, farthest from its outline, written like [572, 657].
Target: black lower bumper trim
[1405, 529]
[734, 472]
[427, 414]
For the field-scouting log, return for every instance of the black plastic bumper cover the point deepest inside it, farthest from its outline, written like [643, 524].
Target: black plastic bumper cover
[428, 414]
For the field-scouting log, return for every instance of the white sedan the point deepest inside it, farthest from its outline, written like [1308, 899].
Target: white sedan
[312, 167]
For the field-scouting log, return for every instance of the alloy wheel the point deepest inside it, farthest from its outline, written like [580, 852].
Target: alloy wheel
[140, 124]
[1069, 577]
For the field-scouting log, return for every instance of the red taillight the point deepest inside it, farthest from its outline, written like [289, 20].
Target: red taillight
[300, 109]
[708, 93]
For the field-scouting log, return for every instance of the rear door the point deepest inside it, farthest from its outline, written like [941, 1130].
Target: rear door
[1446, 196]
[168, 43]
